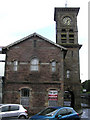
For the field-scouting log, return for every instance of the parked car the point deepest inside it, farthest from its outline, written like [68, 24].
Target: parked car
[13, 110]
[56, 113]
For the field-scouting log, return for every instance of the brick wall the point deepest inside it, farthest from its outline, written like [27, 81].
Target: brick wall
[39, 82]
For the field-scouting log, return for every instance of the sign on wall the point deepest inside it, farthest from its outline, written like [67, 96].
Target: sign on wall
[53, 98]
[53, 95]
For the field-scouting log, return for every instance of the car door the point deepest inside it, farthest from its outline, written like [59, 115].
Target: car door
[5, 111]
[14, 110]
[62, 114]
[70, 114]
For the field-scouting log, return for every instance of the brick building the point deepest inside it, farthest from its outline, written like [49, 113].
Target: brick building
[38, 71]
[34, 69]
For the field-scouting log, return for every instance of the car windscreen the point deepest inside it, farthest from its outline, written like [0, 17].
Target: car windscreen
[48, 111]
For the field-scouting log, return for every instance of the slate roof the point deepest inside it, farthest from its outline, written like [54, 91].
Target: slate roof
[34, 35]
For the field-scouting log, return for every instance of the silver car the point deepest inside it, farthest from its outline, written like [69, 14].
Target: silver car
[13, 110]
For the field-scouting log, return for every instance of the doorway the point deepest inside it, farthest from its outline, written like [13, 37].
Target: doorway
[69, 99]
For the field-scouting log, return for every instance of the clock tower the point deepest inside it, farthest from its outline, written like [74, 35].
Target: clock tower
[67, 36]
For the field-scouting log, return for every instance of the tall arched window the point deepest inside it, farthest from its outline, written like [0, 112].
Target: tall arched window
[34, 65]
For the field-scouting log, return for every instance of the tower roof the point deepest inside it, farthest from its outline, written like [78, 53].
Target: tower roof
[66, 9]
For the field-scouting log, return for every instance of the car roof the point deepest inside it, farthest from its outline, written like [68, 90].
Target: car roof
[8, 105]
[59, 107]
[56, 107]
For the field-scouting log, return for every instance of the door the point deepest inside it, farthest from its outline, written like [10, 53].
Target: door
[52, 97]
[25, 97]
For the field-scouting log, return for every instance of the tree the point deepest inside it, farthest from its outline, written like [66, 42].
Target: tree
[86, 85]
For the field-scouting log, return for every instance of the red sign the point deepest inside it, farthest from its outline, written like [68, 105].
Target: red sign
[53, 95]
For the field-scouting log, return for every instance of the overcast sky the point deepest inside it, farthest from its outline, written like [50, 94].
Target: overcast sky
[19, 18]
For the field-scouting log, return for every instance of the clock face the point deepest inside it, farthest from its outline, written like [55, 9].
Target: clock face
[67, 20]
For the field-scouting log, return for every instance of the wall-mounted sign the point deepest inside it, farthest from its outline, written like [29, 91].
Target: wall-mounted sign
[53, 95]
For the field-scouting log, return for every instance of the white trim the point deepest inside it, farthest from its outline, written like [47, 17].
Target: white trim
[45, 63]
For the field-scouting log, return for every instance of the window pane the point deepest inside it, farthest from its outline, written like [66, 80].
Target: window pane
[13, 108]
[53, 64]
[15, 65]
[68, 74]
[15, 68]
[25, 92]
[53, 69]
[34, 64]
[5, 109]
[34, 68]
[62, 112]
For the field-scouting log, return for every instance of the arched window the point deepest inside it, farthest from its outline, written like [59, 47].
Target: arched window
[53, 66]
[34, 65]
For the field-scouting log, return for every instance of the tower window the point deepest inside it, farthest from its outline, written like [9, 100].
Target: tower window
[71, 36]
[71, 30]
[63, 30]
[63, 36]
[34, 66]
[71, 40]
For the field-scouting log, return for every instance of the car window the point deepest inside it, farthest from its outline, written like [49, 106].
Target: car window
[62, 112]
[70, 111]
[5, 109]
[47, 111]
[13, 108]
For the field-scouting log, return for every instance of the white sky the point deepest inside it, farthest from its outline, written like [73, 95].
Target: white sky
[19, 18]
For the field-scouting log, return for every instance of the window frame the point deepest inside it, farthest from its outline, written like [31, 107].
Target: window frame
[34, 65]
[68, 74]
[15, 65]
[25, 93]
[53, 66]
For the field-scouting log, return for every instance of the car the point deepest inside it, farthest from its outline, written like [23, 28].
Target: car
[56, 113]
[13, 111]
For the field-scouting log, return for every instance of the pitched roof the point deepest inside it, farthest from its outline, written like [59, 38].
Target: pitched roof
[34, 35]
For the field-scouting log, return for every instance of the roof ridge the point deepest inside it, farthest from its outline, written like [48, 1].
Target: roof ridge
[31, 35]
